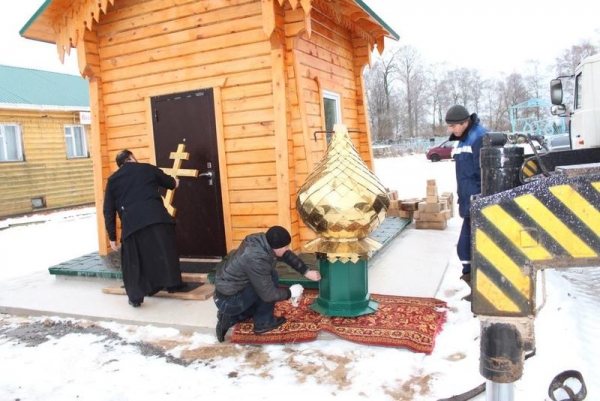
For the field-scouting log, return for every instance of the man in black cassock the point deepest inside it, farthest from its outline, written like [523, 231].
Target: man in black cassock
[149, 256]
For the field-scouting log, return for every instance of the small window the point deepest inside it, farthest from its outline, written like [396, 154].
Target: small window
[76, 142]
[333, 111]
[578, 91]
[10, 143]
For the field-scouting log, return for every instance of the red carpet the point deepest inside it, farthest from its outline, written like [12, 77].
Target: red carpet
[406, 322]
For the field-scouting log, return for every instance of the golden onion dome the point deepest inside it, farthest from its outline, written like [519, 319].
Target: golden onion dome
[342, 201]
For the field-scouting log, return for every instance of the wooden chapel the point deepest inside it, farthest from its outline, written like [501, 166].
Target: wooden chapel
[248, 86]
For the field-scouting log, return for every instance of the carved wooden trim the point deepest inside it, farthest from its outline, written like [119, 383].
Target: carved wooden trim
[70, 28]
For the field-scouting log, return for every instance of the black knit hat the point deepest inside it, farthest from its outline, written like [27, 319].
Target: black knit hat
[457, 114]
[278, 237]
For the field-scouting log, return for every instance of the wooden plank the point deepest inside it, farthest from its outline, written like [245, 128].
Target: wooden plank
[246, 144]
[248, 156]
[252, 208]
[248, 103]
[246, 91]
[182, 58]
[233, 79]
[222, 158]
[249, 117]
[248, 130]
[252, 169]
[172, 19]
[217, 31]
[202, 293]
[190, 73]
[254, 196]
[120, 120]
[260, 221]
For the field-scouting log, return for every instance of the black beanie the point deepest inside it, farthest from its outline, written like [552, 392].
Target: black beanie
[457, 114]
[278, 237]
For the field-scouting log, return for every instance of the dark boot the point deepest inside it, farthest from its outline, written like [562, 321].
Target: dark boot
[276, 323]
[137, 303]
[223, 325]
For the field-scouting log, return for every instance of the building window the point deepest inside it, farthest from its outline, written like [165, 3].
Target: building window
[333, 111]
[76, 142]
[11, 149]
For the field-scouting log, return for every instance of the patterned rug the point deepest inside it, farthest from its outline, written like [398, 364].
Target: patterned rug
[405, 322]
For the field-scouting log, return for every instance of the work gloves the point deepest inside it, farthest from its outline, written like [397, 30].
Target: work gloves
[296, 290]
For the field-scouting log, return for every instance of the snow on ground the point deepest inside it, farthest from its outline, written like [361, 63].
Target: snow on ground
[50, 358]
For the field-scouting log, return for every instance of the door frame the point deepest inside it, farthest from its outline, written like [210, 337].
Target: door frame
[215, 84]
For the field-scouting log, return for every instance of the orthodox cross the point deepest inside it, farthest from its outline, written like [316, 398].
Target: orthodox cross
[175, 172]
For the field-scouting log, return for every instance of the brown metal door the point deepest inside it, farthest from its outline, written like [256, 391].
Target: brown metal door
[189, 118]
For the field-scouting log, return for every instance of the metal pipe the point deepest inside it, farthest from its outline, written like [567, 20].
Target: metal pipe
[499, 391]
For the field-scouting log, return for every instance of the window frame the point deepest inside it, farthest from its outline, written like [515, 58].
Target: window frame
[337, 97]
[18, 143]
[71, 137]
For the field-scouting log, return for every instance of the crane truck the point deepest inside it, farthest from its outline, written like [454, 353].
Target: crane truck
[533, 213]
[584, 125]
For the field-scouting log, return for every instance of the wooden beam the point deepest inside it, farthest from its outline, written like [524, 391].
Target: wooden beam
[96, 153]
[218, 102]
[281, 131]
[302, 107]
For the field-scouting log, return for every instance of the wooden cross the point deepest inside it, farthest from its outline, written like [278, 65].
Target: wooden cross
[174, 172]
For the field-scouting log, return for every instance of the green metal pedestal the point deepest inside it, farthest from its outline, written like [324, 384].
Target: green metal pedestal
[343, 289]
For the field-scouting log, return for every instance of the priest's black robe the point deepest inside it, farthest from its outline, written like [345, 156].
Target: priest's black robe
[149, 256]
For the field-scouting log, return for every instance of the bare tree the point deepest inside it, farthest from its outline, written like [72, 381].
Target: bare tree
[379, 81]
[438, 96]
[407, 97]
[570, 58]
[410, 74]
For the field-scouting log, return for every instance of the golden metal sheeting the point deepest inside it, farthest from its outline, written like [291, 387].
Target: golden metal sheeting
[343, 202]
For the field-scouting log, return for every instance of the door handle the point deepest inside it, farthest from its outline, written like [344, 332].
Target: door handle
[208, 174]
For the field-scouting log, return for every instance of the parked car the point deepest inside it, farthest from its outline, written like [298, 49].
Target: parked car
[444, 150]
[558, 142]
[527, 150]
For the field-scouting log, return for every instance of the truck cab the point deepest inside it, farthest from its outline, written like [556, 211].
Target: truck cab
[584, 124]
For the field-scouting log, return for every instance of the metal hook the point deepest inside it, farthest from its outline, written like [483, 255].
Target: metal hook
[329, 132]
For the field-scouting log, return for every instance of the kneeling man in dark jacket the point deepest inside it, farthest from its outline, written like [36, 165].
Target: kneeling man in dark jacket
[247, 284]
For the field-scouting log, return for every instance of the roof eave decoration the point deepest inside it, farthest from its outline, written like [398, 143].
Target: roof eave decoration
[354, 15]
[72, 25]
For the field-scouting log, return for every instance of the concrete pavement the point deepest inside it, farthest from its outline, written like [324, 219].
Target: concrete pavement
[412, 264]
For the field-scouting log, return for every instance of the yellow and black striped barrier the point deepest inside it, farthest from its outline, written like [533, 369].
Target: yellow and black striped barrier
[551, 222]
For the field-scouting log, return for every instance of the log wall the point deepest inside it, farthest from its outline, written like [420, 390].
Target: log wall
[46, 171]
[325, 61]
[151, 47]
[268, 99]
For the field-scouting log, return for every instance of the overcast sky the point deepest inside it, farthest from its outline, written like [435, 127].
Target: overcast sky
[491, 36]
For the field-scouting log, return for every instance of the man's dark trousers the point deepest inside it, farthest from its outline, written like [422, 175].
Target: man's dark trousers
[246, 304]
[463, 249]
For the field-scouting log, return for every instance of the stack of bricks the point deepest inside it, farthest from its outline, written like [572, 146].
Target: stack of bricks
[393, 209]
[408, 207]
[434, 212]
